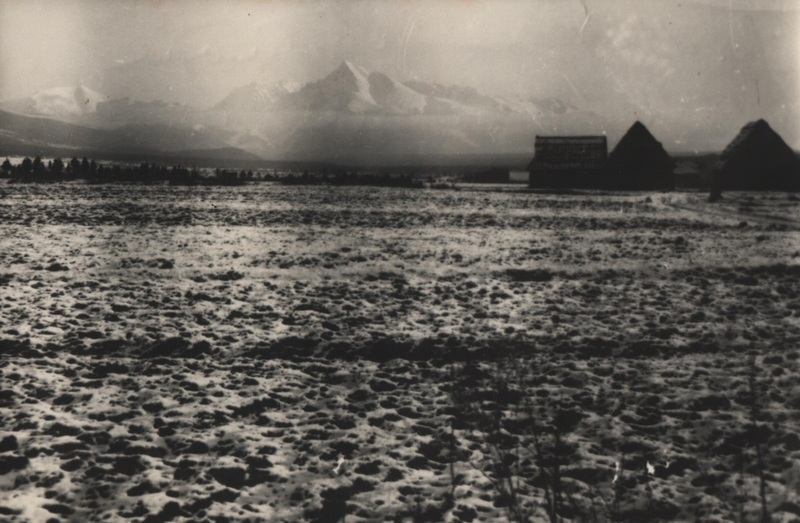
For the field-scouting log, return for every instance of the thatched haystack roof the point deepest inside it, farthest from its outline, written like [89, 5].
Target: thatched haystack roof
[759, 159]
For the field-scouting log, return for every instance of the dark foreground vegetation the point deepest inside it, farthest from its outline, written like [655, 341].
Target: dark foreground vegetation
[320, 353]
[345, 178]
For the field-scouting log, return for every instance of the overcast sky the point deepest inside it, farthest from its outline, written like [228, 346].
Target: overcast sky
[686, 68]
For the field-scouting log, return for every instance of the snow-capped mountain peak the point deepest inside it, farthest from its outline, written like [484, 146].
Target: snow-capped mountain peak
[345, 89]
[394, 96]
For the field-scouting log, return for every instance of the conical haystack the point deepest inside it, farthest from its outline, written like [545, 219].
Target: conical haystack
[639, 162]
[758, 160]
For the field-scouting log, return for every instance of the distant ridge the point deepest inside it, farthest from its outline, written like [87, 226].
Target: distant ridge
[352, 89]
[256, 97]
[41, 136]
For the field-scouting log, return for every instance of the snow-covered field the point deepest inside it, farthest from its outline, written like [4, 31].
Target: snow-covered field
[289, 353]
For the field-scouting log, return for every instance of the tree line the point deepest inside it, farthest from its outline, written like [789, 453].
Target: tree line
[56, 170]
[36, 170]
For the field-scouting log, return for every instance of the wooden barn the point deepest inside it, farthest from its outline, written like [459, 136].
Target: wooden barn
[758, 160]
[639, 163]
[568, 162]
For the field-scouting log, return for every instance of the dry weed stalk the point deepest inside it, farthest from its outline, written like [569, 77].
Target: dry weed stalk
[755, 414]
[524, 452]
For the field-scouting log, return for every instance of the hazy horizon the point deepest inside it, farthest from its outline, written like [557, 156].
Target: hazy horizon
[693, 71]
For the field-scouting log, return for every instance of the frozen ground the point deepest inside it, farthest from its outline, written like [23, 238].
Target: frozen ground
[194, 353]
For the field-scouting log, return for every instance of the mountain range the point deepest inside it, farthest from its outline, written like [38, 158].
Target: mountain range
[351, 116]
[354, 90]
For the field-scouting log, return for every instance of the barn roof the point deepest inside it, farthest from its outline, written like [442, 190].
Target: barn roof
[588, 139]
[569, 152]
